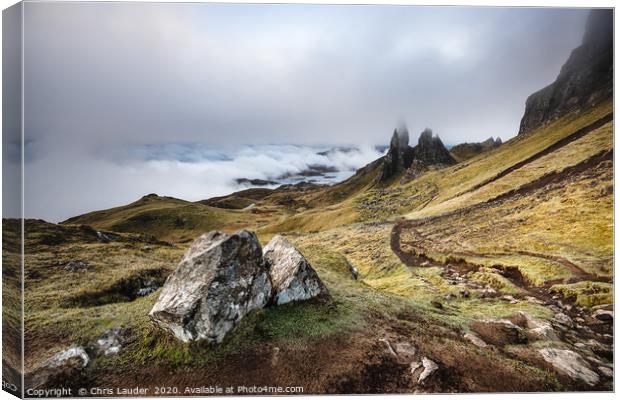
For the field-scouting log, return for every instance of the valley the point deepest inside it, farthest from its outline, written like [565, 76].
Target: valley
[482, 271]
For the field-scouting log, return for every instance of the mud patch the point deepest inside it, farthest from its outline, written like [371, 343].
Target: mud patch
[499, 333]
[126, 289]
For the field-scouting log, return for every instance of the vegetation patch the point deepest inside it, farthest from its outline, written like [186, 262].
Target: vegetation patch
[586, 293]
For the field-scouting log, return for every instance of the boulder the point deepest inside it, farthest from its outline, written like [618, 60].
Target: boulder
[430, 367]
[292, 277]
[563, 319]
[220, 279]
[76, 265]
[603, 315]
[536, 329]
[405, 352]
[62, 364]
[475, 340]
[571, 364]
[499, 332]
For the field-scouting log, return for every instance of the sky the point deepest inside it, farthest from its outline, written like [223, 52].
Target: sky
[105, 83]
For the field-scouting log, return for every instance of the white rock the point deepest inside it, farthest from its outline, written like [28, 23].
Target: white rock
[563, 319]
[220, 279]
[571, 364]
[74, 356]
[60, 364]
[413, 367]
[606, 372]
[429, 368]
[292, 276]
[405, 351]
[475, 339]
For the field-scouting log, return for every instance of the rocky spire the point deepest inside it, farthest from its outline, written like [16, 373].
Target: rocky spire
[395, 161]
[430, 150]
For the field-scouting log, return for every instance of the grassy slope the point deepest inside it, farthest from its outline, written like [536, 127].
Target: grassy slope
[344, 223]
[172, 219]
[571, 219]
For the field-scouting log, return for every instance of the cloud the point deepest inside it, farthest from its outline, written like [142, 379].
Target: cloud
[102, 78]
[178, 170]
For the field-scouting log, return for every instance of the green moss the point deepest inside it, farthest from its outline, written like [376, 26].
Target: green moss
[587, 293]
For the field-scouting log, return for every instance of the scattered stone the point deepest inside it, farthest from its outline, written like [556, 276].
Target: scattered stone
[292, 276]
[533, 300]
[354, 272]
[61, 364]
[488, 292]
[475, 339]
[110, 342]
[499, 332]
[220, 279]
[405, 351]
[413, 367]
[508, 298]
[537, 329]
[429, 368]
[106, 237]
[76, 265]
[571, 364]
[603, 315]
[388, 347]
[275, 356]
[437, 305]
[563, 319]
[606, 372]
[148, 288]
[449, 296]
[600, 348]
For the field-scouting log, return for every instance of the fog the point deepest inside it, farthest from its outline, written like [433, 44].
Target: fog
[113, 90]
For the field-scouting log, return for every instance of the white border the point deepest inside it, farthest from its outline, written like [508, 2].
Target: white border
[489, 3]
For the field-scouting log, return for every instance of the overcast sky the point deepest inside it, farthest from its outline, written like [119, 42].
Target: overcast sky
[102, 78]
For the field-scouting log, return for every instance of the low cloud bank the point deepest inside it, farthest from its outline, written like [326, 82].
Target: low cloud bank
[187, 171]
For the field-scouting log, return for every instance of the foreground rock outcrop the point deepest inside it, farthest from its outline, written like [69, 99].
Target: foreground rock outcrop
[292, 277]
[585, 79]
[222, 277]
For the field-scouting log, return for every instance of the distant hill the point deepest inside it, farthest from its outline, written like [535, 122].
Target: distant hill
[465, 151]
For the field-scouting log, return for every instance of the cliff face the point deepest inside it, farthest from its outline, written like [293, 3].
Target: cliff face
[585, 79]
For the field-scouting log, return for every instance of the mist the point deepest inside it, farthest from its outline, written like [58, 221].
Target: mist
[109, 86]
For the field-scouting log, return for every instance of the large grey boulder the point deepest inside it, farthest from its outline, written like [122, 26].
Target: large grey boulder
[570, 363]
[220, 279]
[292, 276]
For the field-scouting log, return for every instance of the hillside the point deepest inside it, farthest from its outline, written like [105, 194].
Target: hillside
[494, 263]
